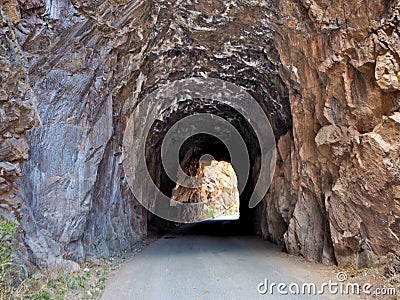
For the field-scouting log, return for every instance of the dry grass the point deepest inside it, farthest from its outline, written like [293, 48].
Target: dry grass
[87, 283]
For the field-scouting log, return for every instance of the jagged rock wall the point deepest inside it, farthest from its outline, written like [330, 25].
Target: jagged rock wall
[74, 186]
[17, 115]
[89, 63]
[341, 65]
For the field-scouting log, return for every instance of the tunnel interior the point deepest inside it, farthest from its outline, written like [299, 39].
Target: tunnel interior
[202, 144]
[250, 61]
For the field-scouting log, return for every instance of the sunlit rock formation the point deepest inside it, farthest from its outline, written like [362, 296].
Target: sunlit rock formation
[216, 189]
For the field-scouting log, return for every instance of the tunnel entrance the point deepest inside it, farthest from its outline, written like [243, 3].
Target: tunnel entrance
[169, 121]
[198, 146]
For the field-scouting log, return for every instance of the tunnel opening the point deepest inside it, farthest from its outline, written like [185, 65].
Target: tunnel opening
[206, 159]
[196, 147]
[190, 153]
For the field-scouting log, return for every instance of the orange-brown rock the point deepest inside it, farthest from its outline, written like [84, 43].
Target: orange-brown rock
[217, 189]
[341, 64]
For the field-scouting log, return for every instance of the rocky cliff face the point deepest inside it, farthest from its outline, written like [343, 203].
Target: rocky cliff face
[17, 115]
[340, 163]
[326, 72]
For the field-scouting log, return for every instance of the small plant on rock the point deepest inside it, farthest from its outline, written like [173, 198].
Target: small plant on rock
[8, 267]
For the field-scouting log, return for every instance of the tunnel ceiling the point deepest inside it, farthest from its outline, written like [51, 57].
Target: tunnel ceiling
[225, 41]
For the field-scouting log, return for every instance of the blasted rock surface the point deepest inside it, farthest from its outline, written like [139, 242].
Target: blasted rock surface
[17, 115]
[342, 167]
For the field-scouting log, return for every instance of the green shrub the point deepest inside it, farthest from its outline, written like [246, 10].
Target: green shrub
[42, 295]
[8, 268]
[210, 213]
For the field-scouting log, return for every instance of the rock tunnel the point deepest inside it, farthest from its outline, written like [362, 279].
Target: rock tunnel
[197, 145]
[326, 79]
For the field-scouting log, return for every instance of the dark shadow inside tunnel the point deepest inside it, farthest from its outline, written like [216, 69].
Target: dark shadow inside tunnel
[201, 144]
